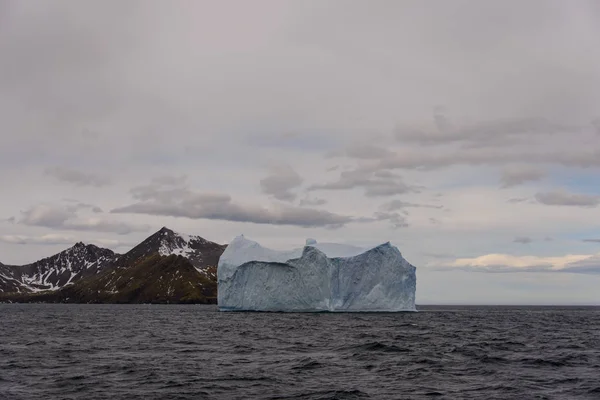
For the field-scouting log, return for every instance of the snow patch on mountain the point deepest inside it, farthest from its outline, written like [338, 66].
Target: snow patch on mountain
[55, 272]
[199, 251]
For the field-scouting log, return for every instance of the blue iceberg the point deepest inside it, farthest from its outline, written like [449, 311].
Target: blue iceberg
[317, 277]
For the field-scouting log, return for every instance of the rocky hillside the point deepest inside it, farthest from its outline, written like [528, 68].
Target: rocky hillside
[200, 252]
[57, 271]
[155, 279]
[167, 267]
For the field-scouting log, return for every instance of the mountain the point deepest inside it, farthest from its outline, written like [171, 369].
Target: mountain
[57, 271]
[200, 252]
[155, 279]
[167, 267]
[7, 282]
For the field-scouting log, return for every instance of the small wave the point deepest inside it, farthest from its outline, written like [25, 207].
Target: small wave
[308, 364]
[434, 394]
[245, 378]
[75, 378]
[380, 347]
[327, 395]
[546, 362]
[486, 359]
[37, 342]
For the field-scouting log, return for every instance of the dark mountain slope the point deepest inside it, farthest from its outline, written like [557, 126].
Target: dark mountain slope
[51, 273]
[156, 279]
[7, 282]
[200, 252]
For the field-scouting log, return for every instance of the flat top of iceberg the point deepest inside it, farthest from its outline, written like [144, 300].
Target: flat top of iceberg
[255, 252]
[241, 250]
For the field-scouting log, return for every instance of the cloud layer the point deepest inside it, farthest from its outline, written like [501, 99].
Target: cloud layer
[464, 134]
[157, 199]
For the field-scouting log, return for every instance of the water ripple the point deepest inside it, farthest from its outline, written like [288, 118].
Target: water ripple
[97, 352]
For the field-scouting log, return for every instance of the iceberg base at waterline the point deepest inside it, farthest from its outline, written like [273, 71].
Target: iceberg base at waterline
[317, 277]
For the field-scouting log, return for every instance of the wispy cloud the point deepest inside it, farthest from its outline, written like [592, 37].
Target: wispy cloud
[76, 177]
[375, 184]
[523, 240]
[57, 216]
[280, 183]
[50, 239]
[517, 175]
[183, 202]
[505, 263]
[564, 198]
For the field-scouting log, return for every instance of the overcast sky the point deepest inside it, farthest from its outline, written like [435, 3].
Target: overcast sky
[467, 133]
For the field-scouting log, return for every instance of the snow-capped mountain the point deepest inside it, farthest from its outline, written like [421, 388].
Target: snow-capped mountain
[84, 266]
[57, 271]
[200, 252]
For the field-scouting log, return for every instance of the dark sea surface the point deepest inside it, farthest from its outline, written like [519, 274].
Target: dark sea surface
[56, 351]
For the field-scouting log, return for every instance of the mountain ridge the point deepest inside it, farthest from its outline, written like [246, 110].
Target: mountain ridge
[60, 269]
[68, 275]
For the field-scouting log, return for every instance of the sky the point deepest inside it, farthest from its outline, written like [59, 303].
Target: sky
[465, 132]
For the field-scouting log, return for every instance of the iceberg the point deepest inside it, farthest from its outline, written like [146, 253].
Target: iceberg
[317, 277]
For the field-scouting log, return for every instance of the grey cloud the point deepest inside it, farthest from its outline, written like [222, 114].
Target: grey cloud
[294, 141]
[523, 240]
[83, 206]
[517, 200]
[58, 239]
[65, 217]
[564, 198]
[591, 240]
[44, 239]
[101, 225]
[302, 217]
[312, 202]
[498, 132]
[525, 141]
[519, 174]
[76, 177]
[590, 265]
[584, 269]
[368, 151]
[396, 219]
[280, 183]
[158, 191]
[423, 159]
[188, 204]
[399, 204]
[45, 215]
[169, 180]
[375, 183]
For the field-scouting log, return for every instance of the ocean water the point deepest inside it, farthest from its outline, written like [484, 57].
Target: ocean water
[55, 351]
